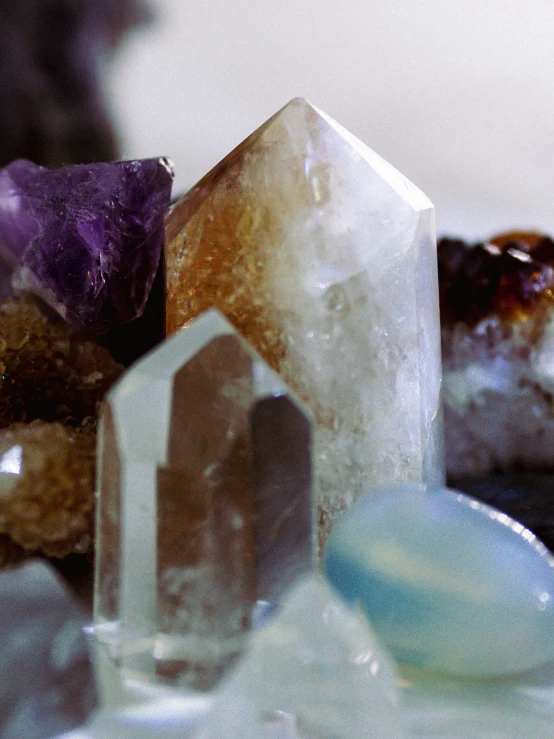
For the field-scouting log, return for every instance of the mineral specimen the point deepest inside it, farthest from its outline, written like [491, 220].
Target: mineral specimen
[47, 679]
[51, 384]
[47, 372]
[448, 583]
[316, 671]
[205, 509]
[46, 486]
[497, 314]
[323, 256]
[86, 239]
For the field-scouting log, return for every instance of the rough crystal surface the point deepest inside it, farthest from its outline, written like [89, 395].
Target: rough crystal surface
[86, 238]
[205, 504]
[46, 487]
[48, 683]
[316, 672]
[447, 582]
[323, 256]
[47, 372]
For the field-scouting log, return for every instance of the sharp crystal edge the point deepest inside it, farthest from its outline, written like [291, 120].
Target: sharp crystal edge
[205, 510]
[324, 257]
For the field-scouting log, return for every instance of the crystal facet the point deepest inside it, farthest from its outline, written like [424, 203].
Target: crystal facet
[323, 256]
[447, 582]
[47, 679]
[316, 671]
[205, 503]
[87, 238]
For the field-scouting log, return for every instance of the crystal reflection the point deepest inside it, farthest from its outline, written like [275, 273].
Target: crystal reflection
[510, 523]
[10, 461]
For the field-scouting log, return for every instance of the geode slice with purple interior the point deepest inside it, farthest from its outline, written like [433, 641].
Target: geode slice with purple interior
[86, 239]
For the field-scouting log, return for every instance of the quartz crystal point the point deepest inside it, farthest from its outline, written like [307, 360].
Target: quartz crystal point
[87, 238]
[205, 510]
[324, 257]
[47, 679]
[315, 672]
[449, 583]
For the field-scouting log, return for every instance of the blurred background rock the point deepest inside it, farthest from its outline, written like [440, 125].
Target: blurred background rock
[52, 57]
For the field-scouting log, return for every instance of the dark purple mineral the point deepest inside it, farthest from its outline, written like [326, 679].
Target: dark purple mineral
[86, 239]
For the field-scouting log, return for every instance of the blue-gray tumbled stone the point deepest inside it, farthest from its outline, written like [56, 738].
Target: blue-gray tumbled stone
[448, 582]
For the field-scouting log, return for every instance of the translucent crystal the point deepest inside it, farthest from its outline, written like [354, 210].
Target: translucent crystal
[87, 238]
[324, 257]
[449, 583]
[47, 679]
[316, 672]
[205, 511]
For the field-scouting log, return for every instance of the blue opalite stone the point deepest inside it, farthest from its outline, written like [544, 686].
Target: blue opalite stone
[447, 582]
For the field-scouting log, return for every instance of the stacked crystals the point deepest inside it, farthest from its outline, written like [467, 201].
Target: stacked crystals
[322, 257]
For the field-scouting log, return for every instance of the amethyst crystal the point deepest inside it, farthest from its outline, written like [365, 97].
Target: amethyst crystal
[87, 238]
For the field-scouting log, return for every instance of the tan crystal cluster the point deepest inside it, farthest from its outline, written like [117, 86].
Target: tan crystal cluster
[51, 385]
[48, 372]
[324, 257]
[46, 484]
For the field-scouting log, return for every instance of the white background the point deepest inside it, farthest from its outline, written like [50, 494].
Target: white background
[458, 95]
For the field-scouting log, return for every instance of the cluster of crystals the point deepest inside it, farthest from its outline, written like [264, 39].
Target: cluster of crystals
[323, 256]
[47, 371]
[86, 239]
[51, 386]
[497, 314]
[509, 276]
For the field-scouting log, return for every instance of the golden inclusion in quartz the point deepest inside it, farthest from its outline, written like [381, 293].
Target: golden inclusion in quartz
[324, 257]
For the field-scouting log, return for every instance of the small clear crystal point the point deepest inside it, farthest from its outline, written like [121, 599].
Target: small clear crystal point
[204, 507]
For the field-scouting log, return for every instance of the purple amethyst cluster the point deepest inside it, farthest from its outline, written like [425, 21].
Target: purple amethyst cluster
[86, 239]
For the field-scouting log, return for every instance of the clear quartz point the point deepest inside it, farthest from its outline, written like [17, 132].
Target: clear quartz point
[316, 671]
[324, 257]
[205, 510]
